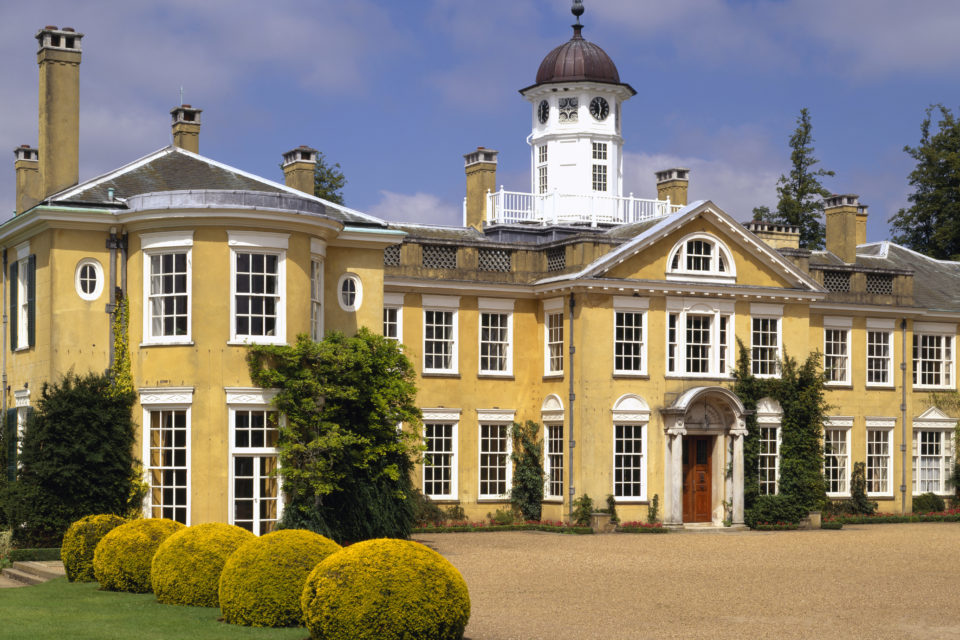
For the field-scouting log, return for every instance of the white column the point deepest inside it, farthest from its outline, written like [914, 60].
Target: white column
[738, 434]
[674, 509]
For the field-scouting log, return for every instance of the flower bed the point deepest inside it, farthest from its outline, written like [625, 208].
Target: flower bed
[641, 527]
[950, 515]
[552, 526]
[776, 526]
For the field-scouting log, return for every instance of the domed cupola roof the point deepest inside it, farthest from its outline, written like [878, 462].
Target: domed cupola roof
[577, 59]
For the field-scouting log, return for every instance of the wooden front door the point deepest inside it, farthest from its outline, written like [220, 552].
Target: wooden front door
[697, 474]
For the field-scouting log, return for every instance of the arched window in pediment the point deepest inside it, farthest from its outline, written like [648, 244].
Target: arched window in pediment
[701, 256]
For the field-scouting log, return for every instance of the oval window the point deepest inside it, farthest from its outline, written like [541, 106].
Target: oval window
[89, 279]
[350, 292]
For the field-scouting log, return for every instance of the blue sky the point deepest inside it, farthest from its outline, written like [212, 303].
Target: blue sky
[397, 92]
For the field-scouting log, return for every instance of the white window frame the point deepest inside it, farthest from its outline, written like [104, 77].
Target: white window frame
[21, 398]
[552, 417]
[714, 274]
[166, 399]
[152, 244]
[770, 416]
[23, 299]
[318, 258]
[496, 306]
[354, 279]
[552, 309]
[843, 325]
[451, 304]
[499, 418]
[684, 307]
[773, 313]
[882, 326]
[638, 306]
[844, 425]
[934, 421]
[250, 399]
[97, 274]
[885, 426]
[630, 410]
[267, 244]
[449, 417]
[947, 365]
[393, 302]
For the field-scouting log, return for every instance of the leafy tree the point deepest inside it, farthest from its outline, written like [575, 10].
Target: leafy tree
[76, 459]
[528, 476]
[800, 193]
[328, 180]
[931, 224]
[345, 465]
[800, 391]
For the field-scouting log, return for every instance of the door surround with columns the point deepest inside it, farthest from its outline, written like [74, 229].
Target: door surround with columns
[703, 411]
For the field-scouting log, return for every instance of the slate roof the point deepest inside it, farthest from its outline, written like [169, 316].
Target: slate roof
[175, 169]
[936, 283]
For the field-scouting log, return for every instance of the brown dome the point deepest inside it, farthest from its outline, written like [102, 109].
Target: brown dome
[575, 60]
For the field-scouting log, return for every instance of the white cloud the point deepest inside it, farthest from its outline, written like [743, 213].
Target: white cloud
[422, 208]
[860, 37]
[733, 187]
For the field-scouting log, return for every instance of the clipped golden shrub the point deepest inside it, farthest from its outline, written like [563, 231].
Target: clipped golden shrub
[386, 589]
[121, 562]
[80, 541]
[261, 581]
[186, 567]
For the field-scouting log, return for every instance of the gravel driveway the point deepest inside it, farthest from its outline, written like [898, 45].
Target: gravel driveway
[865, 581]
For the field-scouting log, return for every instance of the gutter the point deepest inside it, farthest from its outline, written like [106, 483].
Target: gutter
[903, 416]
[572, 397]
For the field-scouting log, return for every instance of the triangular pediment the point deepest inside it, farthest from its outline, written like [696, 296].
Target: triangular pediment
[933, 418]
[649, 256]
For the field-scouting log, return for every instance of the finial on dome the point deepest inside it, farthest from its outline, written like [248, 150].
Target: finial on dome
[577, 9]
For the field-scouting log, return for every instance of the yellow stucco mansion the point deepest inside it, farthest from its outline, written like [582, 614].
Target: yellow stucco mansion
[610, 320]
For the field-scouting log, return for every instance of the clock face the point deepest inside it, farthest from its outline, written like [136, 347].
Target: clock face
[543, 111]
[599, 108]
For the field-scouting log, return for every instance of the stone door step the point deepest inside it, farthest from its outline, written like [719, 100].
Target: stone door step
[34, 572]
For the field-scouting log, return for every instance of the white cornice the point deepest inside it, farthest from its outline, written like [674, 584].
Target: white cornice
[250, 395]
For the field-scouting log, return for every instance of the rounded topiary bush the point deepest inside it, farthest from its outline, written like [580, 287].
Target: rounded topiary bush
[385, 589]
[80, 541]
[122, 560]
[186, 567]
[261, 581]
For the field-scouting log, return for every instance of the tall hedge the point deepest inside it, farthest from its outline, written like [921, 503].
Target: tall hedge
[76, 459]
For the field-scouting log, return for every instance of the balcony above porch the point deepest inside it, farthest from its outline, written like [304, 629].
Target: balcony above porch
[514, 207]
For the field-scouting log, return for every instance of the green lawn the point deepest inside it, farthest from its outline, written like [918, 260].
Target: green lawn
[59, 609]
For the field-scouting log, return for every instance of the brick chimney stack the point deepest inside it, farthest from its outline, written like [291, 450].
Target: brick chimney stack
[481, 169]
[186, 127]
[27, 168]
[672, 185]
[59, 143]
[298, 168]
[846, 225]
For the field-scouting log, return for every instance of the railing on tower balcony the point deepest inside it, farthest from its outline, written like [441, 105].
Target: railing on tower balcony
[507, 207]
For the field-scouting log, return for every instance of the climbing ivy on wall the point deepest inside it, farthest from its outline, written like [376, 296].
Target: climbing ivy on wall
[800, 391]
[122, 376]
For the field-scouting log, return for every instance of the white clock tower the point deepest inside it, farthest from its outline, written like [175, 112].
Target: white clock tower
[575, 146]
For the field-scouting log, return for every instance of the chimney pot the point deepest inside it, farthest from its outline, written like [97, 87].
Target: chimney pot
[59, 156]
[186, 127]
[672, 185]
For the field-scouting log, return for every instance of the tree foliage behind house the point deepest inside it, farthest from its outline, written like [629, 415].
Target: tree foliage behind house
[345, 464]
[800, 193]
[328, 180]
[800, 391]
[76, 459]
[931, 224]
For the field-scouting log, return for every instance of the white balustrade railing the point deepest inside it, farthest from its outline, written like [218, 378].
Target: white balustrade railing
[505, 207]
